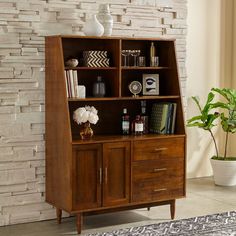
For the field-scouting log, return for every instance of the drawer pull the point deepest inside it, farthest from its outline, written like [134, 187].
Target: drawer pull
[160, 149]
[159, 169]
[159, 190]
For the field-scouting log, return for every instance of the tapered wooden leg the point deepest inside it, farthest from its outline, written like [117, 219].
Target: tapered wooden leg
[79, 222]
[172, 209]
[59, 213]
[148, 208]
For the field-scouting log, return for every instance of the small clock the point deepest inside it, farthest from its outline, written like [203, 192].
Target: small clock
[135, 88]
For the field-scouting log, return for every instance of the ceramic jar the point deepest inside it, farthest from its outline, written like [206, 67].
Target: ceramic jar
[105, 18]
[93, 27]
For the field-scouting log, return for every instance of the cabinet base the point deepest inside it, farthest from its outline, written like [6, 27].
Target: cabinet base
[79, 215]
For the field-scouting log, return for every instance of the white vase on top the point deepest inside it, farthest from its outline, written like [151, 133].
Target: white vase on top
[105, 18]
[93, 27]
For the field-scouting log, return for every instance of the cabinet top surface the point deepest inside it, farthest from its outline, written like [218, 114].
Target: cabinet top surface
[122, 138]
[110, 38]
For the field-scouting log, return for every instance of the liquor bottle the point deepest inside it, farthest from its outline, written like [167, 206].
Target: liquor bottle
[152, 53]
[125, 122]
[138, 125]
[144, 117]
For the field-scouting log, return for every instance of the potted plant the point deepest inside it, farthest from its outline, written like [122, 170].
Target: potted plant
[224, 167]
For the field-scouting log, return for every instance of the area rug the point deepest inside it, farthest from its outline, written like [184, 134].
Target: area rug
[222, 224]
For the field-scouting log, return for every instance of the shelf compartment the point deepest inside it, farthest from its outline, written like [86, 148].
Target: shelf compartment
[89, 68]
[145, 68]
[124, 98]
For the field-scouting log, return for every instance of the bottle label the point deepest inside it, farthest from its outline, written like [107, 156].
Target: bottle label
[138, 127]
[125, 125]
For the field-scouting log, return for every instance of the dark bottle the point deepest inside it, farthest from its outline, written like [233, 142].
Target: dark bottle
[144, 117]
[125, 123]
[99, 88]
[138, 125]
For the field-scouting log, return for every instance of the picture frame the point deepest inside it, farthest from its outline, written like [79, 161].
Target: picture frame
[150, 84]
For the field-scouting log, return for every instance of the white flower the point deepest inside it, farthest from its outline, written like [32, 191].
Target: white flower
[93, 118]
[84, 114]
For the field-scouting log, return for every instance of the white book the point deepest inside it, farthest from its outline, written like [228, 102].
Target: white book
[71, 79]
[75, 80]
[67, 92]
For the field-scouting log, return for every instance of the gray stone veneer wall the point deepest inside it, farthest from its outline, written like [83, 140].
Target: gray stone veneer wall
[23, 25]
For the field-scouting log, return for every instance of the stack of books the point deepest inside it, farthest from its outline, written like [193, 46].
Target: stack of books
[163, 116]
[73, 90]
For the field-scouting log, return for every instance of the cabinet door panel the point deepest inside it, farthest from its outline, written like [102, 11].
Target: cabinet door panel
[116, 167]
[87, 167]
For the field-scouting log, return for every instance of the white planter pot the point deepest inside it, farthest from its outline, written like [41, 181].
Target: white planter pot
[224, 172]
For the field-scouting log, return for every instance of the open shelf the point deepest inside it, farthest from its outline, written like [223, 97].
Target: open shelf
[124, 98]
[90, 68]
[145, 68]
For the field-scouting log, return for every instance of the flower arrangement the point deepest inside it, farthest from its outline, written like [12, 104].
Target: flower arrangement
[86, 114]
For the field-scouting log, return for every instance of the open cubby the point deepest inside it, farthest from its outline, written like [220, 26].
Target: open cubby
[111, 171]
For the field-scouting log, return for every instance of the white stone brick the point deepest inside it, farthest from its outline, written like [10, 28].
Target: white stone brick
[17, 176]
[19, 217]
[13, 188]
[4, 220]
[37, 163]
[36, 207]
[20, 199]
[6, 150]
[20, 139]
[147, 23]
[32, 18]
[14, 165]
[47, 214]
[25, 97]
[6, 109]
[37, 128]
[45, 29]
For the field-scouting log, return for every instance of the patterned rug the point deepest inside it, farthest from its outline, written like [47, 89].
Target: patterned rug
[222, 224]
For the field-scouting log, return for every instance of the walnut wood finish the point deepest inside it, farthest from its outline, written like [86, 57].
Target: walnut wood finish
[87, 176]
[79, 222]
[116, 172]
[59, 214]
[58, 132]
[110, 172]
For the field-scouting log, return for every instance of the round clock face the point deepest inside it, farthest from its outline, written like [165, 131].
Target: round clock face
[135, 87]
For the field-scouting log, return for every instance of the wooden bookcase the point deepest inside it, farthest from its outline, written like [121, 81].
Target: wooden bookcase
[110, 172]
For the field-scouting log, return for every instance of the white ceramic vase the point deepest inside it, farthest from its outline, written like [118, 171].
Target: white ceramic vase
[93, 27]
[105, 18]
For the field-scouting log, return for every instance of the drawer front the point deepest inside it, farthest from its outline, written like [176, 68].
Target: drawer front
[158, 169]
[151, 192]
[158, 180]
[158, 148]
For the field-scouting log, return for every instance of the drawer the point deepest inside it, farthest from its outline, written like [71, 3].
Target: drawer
[152, 190]
[158, 169]
[158, 148]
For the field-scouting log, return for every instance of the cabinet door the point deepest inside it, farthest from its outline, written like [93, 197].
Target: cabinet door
[116, 173]
[87, 176]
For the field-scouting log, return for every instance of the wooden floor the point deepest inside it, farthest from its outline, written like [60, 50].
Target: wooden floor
[203, 197]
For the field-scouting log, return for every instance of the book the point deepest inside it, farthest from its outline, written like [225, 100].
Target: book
[163, 116]
[158, 118]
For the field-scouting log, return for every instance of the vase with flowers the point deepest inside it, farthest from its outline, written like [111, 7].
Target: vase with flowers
[85, 116]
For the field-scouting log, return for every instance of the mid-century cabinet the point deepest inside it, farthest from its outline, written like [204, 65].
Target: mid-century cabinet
[111, 171]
